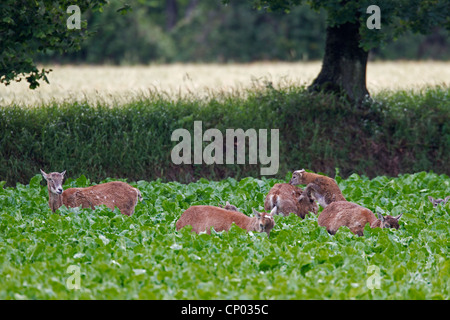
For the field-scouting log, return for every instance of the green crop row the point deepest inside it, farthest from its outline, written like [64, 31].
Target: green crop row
[107, 255]
[401, 132]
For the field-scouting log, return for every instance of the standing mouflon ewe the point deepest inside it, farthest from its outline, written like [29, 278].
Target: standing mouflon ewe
[288, 198]
[202, 218]
[354, 216]
[323, 188]
[112, 194]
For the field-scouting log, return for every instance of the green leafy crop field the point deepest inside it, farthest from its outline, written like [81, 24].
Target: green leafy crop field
[85, 254]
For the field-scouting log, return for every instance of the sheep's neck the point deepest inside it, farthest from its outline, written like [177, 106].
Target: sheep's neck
[253, 225]
[54, 200]
[376, 224]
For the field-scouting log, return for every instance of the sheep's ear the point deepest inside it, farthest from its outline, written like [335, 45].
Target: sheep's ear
[43, 174]
[432, 200]
[274, 211]
[446, 199]
[398, 217]
[256, 213]
[380, 217]
[63, 173]
[227, 203]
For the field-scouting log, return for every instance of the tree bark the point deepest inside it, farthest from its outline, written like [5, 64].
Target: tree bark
[171, 14]
[344, 64]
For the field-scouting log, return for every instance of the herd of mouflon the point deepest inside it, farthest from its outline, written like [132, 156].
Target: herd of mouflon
[282, 199]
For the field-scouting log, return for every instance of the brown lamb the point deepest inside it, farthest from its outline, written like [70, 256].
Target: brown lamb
[202, 218]
[354, 216]
[112, 194]
[322, 188]
[287, 198]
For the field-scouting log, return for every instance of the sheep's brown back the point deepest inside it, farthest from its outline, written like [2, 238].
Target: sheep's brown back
[284, 196]
[343, 213]
[203, 217]
[112, 194]
[330, 188]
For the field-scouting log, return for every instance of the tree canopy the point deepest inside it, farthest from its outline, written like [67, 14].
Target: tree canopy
[203, 31]
[28, 27]
[397, 17]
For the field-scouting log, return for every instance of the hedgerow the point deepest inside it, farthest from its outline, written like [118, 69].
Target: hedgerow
[400, 132]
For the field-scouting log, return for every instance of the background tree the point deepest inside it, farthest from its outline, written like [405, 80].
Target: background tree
[208, 31]
[28, 27]
[348, 39]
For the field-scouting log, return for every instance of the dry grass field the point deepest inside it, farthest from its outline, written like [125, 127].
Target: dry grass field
[117, 85]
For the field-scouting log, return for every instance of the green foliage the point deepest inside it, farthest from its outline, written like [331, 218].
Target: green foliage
[133, 36]
[202, 31]
[401, 132]
[30, 27]
[208, 31]
[143, 257]
[397, 17]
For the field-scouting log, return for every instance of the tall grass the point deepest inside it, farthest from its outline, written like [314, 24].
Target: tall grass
[394, 133]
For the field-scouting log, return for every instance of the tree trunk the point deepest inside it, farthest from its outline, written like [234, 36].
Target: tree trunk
[344, 64]
[171, 14]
